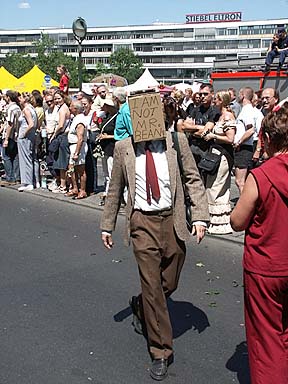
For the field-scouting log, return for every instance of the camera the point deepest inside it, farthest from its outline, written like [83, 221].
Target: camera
[43, 166]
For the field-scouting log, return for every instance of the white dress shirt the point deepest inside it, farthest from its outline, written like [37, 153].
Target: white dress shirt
[157, 148]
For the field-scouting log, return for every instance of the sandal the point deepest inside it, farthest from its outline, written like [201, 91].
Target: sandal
[81, 195]
[60, 189]
[102, 201]
[71, 194]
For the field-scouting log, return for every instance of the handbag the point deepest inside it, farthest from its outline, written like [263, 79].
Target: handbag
[211, 159]
[187, 200]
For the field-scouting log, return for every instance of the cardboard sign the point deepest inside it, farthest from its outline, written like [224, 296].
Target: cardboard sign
[147, 117]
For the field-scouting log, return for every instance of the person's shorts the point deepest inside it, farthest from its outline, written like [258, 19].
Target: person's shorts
[243, 156]
[82, 154]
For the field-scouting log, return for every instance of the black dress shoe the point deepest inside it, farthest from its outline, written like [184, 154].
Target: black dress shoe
[135, 307]
[159, 369]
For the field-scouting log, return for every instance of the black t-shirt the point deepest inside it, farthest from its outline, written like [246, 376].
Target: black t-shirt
[203, 115]
[283, 42]
[109, 125]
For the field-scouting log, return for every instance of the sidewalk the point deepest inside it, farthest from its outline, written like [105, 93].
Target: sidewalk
[93, 203]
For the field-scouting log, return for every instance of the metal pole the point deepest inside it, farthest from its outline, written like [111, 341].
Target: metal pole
[80, 66]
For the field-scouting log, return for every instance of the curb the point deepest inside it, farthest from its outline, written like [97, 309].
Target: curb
[235, 237]
[92, 203]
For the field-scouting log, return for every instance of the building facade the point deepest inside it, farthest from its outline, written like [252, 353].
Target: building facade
[170, 51]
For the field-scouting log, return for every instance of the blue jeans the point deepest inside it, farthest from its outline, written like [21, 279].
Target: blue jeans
[271, 56]
[11, 166]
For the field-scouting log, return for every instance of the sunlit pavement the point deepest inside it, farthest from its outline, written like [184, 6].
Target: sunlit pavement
[93, 201]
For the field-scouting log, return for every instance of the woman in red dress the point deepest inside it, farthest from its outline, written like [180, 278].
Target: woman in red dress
[262, 211]
[64, 78]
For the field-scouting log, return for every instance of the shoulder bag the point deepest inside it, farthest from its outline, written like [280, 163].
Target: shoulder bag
[98, 151]
[211, 159]
[55, 144]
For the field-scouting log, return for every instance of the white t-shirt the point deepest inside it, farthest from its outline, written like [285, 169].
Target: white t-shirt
[246, 117]
[13, 114]
[51, 118]
[72, 135]
[258, 121]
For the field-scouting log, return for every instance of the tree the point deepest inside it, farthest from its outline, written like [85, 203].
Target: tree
[50, 63]
[125, 63]
[100, 69]
[18, 64]
[49, 57]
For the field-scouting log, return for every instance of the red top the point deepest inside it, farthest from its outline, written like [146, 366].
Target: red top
[266, 239]
[64, 83]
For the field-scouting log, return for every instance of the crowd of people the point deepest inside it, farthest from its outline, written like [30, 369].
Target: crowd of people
[72, 134]
[218, 134]
[224, 134]
[67, 134]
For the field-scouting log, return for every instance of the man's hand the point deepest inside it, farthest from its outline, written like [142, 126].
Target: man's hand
[107, 240]
[208, 136]
[199, 231]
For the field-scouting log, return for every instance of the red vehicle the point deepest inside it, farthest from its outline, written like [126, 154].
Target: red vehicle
[240, 74]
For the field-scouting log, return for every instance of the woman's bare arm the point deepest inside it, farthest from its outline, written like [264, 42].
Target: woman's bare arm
[245, 208]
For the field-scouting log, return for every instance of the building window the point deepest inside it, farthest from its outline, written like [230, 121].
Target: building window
[258, 29]
[116, 47]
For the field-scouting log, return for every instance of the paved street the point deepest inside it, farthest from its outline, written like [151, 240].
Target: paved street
[63, 301]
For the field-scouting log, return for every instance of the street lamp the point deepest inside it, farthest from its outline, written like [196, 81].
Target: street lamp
[79, 27]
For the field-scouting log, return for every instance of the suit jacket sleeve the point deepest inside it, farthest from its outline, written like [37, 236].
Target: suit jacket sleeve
[193, 182]
[115, 193]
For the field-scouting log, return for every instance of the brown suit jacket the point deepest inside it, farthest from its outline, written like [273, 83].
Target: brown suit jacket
[123, 174]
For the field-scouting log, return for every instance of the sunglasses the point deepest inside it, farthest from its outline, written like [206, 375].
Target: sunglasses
[204, 94]
[49, 101]
[266, 98]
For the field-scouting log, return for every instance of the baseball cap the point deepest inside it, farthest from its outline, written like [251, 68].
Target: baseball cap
[281, 30]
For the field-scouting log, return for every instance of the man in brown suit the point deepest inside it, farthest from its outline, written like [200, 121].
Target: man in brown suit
[158, 231]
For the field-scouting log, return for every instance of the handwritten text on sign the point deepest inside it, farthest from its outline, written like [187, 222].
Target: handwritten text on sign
[147, 117]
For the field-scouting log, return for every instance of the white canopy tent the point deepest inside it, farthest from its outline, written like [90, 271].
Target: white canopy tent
[145, 81]
[182, 86]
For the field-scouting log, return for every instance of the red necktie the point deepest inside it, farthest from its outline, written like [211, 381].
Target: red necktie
[152, 186]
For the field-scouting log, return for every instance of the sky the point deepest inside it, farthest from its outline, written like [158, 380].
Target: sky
[29, 14]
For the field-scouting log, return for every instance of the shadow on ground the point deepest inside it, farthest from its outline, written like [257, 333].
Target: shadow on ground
[239, 363]
[184, 316]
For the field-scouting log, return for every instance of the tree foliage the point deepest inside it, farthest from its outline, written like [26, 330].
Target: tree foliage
[18, 64]
[48, 57]
[125, 63]
[100, 69]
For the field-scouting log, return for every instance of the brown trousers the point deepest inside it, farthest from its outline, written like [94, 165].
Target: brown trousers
[160, 256]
